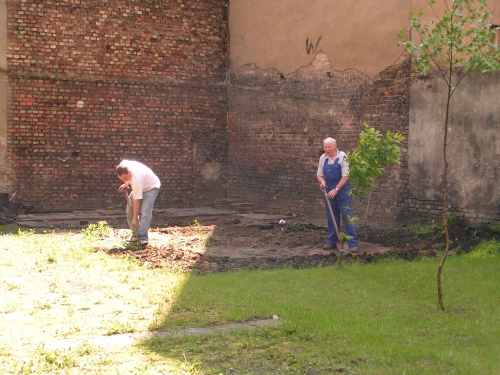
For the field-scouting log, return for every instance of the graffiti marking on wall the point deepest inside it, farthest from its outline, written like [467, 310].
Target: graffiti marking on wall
[310, 47]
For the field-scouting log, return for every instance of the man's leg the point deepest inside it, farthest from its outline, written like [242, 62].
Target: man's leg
[148, 200]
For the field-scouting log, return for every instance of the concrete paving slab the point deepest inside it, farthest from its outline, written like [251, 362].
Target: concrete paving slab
[125, 339]
[96, 215]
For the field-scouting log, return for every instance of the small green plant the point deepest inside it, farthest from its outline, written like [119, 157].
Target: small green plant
[343, 238]
[118, 328]
[25, 233]
[495, 227]
[293, 227]
[373, 154]
[100, 230]
[420, 228]
[194, 222]
[210, 240]
[485, 249]
[451, 219]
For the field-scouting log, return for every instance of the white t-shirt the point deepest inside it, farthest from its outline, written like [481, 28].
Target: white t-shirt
[143, 178]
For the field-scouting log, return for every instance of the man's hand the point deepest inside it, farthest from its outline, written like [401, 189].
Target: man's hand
[123, 187]
[332, 193]
[135, 222]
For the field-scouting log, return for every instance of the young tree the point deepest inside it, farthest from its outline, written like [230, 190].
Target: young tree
[372, 155]
[456, 43]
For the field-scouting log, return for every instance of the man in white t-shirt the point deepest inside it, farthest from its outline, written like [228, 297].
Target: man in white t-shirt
[145, 187]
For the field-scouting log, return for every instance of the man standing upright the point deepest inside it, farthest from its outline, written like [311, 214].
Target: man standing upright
[333, 175]
[145, 187]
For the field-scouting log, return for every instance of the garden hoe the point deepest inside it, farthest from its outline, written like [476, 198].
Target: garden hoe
[136, 229]
[340, 246]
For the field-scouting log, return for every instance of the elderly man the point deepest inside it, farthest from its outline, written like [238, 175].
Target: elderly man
[333, 175]
[145, 187]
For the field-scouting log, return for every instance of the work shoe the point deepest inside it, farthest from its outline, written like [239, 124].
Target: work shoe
[132, 239]
[330, 247]
[144, 242]
[353, 249]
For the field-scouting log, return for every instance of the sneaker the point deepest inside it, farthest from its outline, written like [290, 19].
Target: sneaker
[353, 249]
[330, 247]
[132, 239]
[144, 242]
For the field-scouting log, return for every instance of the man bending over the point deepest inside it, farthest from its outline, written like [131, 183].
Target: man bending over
[145, 187]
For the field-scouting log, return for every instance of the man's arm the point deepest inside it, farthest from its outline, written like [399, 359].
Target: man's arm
[135, 210]
[321, 181]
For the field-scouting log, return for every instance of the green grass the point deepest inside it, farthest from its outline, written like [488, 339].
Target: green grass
[378, 318]
[364, 319]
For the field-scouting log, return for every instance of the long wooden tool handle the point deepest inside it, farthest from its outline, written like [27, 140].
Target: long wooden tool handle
[331, 213]
[136, 230]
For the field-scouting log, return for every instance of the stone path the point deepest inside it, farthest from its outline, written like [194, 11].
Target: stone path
[131, 338]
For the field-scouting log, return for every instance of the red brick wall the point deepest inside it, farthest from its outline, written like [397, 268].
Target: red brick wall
[150, 76]
[277, 124]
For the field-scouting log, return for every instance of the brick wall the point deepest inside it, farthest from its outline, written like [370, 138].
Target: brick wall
[93, 82]
[277, 124]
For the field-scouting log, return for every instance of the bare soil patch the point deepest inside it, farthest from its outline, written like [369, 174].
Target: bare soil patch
[234, 242]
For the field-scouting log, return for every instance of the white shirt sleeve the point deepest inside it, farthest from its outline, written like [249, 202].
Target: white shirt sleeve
[321, 163]
[343, 164]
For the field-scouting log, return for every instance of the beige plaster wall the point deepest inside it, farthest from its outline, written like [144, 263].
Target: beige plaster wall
[359, 34]
[287, 34]
[473, 141]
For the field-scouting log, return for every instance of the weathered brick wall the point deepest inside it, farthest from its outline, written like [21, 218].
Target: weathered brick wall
[93, 82]
[277, 124]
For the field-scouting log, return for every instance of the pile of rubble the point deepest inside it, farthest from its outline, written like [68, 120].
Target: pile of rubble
[9, 210]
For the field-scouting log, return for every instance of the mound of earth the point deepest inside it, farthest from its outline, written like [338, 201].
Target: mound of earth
[218, 244]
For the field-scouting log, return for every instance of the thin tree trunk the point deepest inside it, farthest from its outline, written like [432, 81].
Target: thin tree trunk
[443, 210]
[368, 206]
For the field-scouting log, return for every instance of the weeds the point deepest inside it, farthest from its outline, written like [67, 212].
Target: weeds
[496, 227]
[294, 227]
[210, 240]
[420, 229]
[51, 361]
[100, 230]
[485, 249]
[194, 222]
[119, 328]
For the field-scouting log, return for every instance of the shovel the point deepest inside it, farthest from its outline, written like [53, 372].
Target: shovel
[340, 246]
[136, 230]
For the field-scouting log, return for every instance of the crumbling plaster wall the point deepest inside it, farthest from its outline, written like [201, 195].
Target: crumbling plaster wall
[301, 71]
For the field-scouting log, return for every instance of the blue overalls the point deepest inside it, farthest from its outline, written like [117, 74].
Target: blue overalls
[341, 204]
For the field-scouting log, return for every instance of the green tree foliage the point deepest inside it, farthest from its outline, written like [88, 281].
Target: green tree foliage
[373, 154]
[456, 43]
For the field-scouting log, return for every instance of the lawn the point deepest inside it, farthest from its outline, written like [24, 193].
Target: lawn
[377, 318]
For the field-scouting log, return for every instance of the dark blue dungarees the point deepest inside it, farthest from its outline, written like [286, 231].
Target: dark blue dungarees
[341, 204]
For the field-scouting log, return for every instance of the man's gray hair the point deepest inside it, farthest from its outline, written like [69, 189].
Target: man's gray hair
[329, 140]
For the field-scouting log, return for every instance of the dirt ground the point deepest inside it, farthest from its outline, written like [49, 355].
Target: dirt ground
[232, 242]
